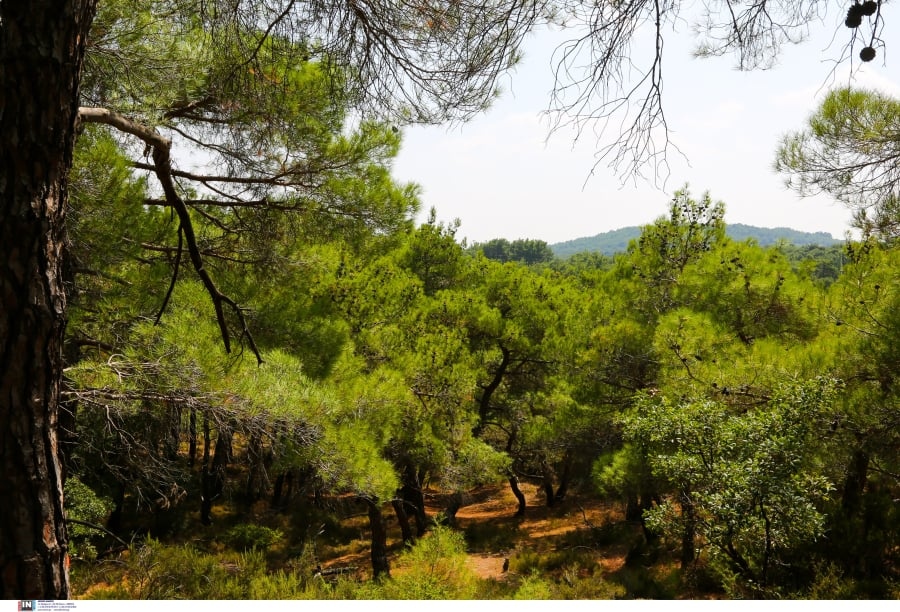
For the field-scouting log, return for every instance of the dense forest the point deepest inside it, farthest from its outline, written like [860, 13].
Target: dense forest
[233, 365]
[736, 406]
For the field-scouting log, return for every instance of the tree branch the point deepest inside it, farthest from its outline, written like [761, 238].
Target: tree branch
[175, 268]
[162, 167]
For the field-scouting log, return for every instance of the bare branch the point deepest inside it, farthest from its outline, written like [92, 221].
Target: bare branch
[595, 85]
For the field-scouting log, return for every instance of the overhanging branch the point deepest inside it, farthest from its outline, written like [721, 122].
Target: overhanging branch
[162, 167]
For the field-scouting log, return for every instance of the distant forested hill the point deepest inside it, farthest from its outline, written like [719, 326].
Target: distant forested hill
[616, 241]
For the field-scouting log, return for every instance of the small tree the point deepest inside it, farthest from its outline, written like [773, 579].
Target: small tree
[743, 484]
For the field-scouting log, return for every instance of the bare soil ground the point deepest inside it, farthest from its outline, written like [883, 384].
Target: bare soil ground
[539, 530]
[494, 532]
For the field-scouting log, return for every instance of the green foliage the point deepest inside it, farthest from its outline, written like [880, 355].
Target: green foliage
[155, 571]
[822, 264]
[526, 562]
[435, 568]
[748, 482]
[249, 536]
[680, 377]
[751, 291]
[621, 473]
[476, 463]
[83, 504]
[493, 536]
[666, 247]
[849, 150]
[525, 251]
[566, 574]
[433, 255]
[830, 584]
[534, 587]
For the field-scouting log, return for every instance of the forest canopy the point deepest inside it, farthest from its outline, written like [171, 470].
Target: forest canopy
[214, 296]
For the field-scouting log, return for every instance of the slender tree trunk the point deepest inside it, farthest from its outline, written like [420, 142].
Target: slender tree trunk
[487, 391]
[411, 492]
[213, 480]
[380, 564]
[547, 484]
[172, 440]
[42, 45]
[403, 520]
[192, 437]
[454, 503]
[855, 482]
[207, 440]
[281, 483]
[688, 535]
[520, 497]
[633, 509]
[257, 475]
[565, 478]
[205, 501]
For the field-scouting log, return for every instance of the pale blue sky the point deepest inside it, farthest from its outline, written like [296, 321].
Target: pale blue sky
[502, 176]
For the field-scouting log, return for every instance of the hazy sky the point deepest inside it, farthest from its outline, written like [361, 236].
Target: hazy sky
[502, 176]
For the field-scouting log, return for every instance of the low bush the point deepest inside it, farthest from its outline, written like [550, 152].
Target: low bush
[248, 536]
[435, 568]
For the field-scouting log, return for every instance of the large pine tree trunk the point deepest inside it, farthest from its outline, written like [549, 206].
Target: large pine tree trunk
[42, 46]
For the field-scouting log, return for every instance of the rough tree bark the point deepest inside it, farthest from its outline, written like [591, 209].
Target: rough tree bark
[42, 44]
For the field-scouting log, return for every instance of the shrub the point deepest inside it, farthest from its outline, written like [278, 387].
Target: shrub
[83, 504]
[435, 568]
[534, 587]
[155, 571]
[248, 536]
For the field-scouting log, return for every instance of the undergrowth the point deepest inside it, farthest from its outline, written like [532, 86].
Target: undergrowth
[296, 554]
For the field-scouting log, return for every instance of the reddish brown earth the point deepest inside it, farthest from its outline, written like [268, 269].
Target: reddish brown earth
[539, 529]
[493, 508]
